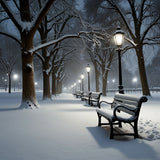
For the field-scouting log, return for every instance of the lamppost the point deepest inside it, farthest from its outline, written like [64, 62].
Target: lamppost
[82, 77]
[79, 81]
[74, 85]
[118, 39]
[113, 81]
[134, 80]
[88, 68]
[5, 84]
[15, 77]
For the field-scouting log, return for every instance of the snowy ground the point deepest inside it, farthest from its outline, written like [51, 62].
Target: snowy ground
[66, 129]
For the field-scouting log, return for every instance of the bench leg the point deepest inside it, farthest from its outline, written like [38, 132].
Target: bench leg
[99, 119]
[120, 124]
[111, 130]
[135, 129]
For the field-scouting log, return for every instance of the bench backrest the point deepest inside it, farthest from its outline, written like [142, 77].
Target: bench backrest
[130, 101]
[88, 94]
[96, 95]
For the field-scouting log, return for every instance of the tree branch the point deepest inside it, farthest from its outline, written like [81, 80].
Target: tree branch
[41, 15]
[10, 14]
[11, 36]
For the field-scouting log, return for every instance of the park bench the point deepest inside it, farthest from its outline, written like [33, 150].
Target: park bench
[95, 98]
[124, 108]
[86, 97]
[78, 94]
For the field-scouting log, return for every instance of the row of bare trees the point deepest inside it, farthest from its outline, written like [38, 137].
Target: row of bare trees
[139, 18]
[29, 18]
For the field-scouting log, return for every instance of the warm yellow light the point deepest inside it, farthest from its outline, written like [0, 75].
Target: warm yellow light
[82, 76]
[118, 37]
[88, 68]
[15, 76]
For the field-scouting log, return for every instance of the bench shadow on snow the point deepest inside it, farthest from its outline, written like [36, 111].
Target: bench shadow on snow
[130, 147]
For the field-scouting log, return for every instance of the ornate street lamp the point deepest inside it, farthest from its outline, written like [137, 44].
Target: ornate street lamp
[79, 81]
[88, 68]
[15, 77]
[135, 80]
[82, 77]
[118, 39]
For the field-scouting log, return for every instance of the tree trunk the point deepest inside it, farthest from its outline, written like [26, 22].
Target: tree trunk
[46, 77]
[53, 84]
[46, 86]
[142, 71]
[104, 86]
[96, 77]
[29, 99]
[9, 82]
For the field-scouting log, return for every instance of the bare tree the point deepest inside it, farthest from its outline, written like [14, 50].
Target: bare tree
[52, 25]
[8, 60]
[105, 57]
[93, 53]
[27, 26]
[144, 19]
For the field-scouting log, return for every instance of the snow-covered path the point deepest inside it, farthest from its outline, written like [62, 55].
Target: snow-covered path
[66, 129]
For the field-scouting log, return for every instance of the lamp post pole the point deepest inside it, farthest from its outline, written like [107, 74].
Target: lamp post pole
[15, 77]
[79, 81]
[118, 38]
[82, 77]
[120, 72]
[88, 82]
[88, 68]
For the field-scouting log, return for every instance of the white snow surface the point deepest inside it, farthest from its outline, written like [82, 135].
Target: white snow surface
[66, 129]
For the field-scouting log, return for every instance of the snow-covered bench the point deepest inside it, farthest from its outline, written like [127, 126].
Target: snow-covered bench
[78, 94]
[95, 98]
[124, 108]
[86, 97]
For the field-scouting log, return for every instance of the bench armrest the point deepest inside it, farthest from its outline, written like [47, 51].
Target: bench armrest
[124, 119]
[104, 102]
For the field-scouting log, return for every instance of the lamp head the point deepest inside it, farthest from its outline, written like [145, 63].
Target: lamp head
[88, 68]
[118, 37]
[82, 76]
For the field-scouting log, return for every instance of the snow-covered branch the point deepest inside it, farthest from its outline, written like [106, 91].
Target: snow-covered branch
[53, 42]
[130, 41]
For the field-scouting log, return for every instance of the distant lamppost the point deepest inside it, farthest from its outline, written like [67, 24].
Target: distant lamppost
[79, 81]
[15, 77]
[82, 77]
[134, 80]
[88, 68]
[118, 39]
[74, 85]
[5, 84]
[113, 81]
